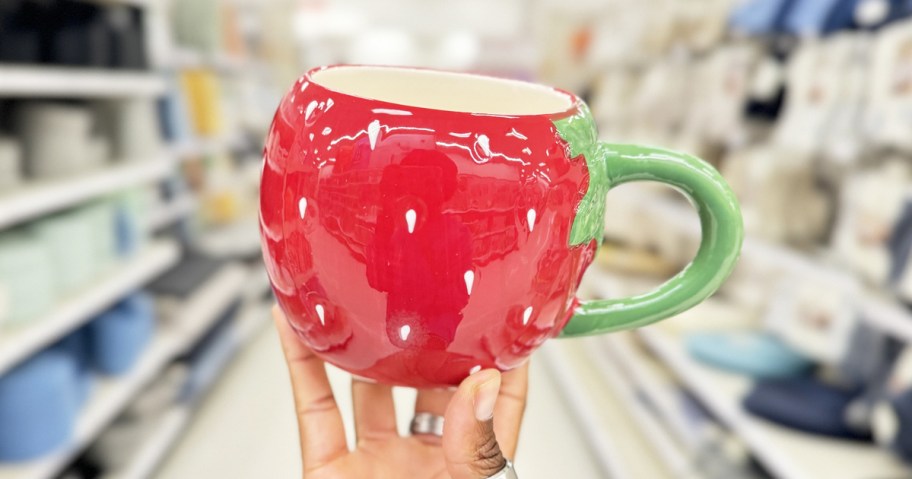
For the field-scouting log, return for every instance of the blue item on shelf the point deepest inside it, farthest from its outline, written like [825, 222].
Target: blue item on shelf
[118, 336]
[210, 354]
[902, 443]
[127, 232]
[757, 354]
[761, 17]
[38, 406]
[173, 114]
[805, 404]
[76, 345]
[810, 17]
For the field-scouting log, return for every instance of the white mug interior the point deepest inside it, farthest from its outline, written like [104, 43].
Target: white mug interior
[441, 90]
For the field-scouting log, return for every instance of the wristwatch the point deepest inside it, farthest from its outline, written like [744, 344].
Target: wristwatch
[506, 473]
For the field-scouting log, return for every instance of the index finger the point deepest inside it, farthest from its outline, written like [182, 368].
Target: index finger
[319, 420]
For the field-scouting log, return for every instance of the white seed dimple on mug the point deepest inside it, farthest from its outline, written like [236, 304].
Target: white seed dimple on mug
[320, 313]
[469, 280]
[311, 137]
[327, 131]
[302, 207]
[517, 134]
[410, 218]
[372, 131]
[527, 150]
[530, 216]
[329, 104]
[404, 332]
[485, 145]
[475, 369]
[526, 315]
[310, 109]
[304, 86]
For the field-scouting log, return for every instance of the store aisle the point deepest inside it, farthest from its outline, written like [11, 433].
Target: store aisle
[246, 427]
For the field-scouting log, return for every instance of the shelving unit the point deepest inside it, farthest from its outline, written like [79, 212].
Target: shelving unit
[167, 213]
[206, 146]
[144, 461]
[877, 308]
[16, 345]
[112, 395]
[190, 320]
[787, 453]
[44, 197]
[108, 398]
[46, 82]
[597, 419]
[169, 429]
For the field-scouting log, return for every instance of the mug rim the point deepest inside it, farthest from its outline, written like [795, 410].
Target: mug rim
[572, 106]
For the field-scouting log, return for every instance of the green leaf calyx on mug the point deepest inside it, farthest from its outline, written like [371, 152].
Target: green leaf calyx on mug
[580, 133]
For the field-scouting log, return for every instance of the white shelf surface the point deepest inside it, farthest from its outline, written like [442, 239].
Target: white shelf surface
[17, 344]
[156, 447]
[236, 240]
[185, 58]
[166, 213]
[111, 396]
[671, 453]
[44, 81]
[878, 309]
[43, 197]
[786, 453]
[206, 146]
[599, 415]
[201, 311]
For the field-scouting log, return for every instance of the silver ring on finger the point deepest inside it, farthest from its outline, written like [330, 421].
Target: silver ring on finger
[427, 423]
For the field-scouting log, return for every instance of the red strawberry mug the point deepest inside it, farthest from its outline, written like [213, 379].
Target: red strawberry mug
[419, 225]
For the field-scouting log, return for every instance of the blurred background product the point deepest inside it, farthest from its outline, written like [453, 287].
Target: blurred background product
[133, 300]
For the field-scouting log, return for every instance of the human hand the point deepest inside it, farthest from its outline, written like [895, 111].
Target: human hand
[473, 446]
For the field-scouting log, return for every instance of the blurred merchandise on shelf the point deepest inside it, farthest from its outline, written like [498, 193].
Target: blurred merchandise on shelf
[131, 137]
[117, 337]
[39, 400]
[755, 354]
[72, 33]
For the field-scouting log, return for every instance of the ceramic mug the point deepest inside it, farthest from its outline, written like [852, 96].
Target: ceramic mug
[419, 225]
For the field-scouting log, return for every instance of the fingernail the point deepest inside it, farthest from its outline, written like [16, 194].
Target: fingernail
[486, 395]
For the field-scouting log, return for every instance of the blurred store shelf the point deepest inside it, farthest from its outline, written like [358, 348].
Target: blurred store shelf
[46, 196]
[198, 147]
[109, 398]
[47, 82]
[16, 345]
[598, 414]
[143, 462]
[667, 450]
[168, 212]
[184, 58]
[157, 445]
[239, 239]
[876, 307]
[200, 312]
[786, 453]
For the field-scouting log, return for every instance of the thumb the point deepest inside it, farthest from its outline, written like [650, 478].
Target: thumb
[469, 446]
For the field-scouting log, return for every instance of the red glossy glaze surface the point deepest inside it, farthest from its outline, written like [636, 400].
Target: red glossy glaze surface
[411, 246]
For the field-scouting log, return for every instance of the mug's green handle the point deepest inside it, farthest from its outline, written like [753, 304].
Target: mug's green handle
[722, 228]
